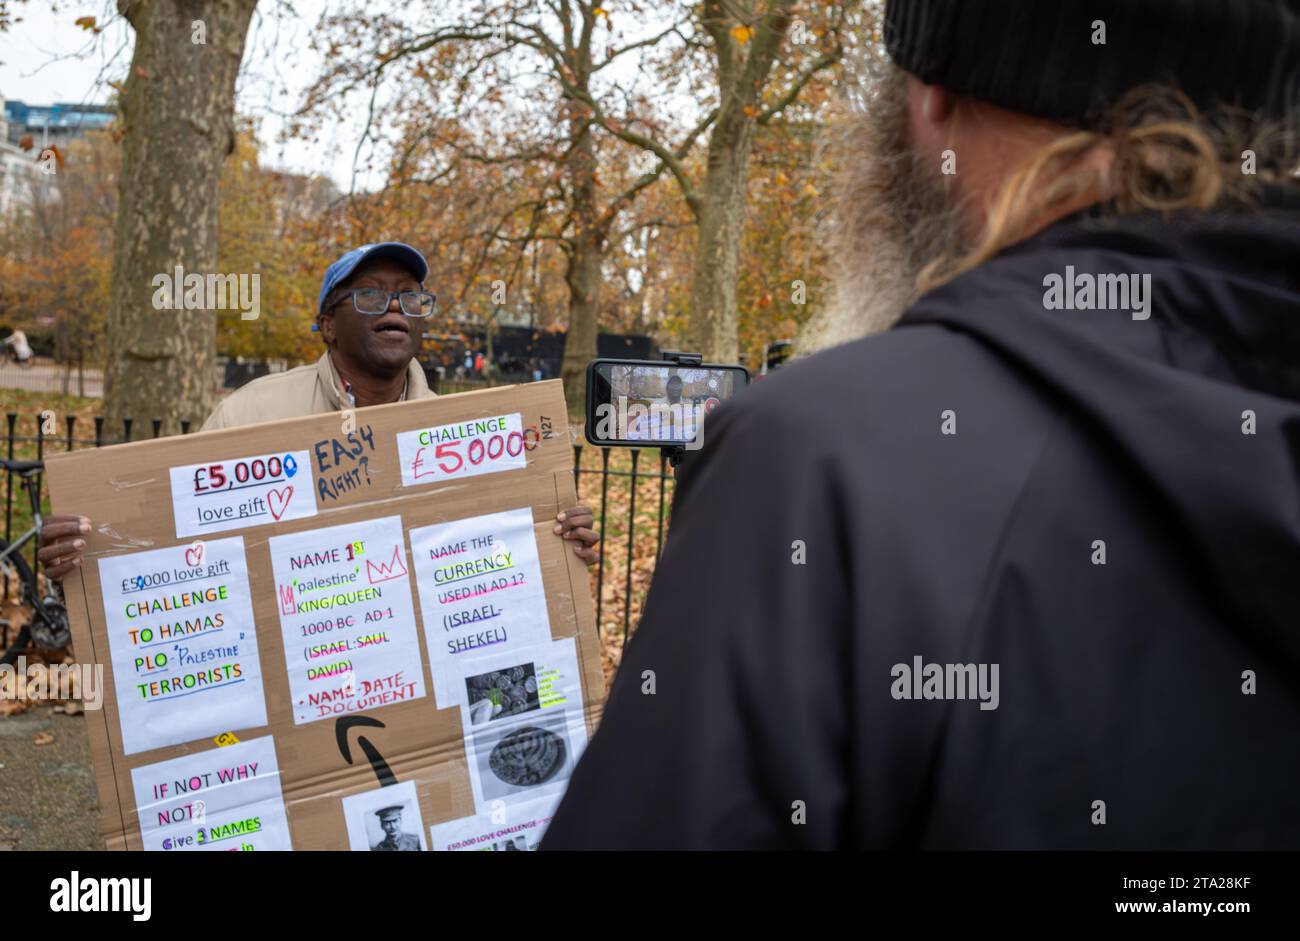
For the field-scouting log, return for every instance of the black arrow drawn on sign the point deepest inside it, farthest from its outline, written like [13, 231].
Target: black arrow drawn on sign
[381, 769]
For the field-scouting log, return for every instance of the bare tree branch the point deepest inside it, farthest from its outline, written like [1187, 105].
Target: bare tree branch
[822, 62]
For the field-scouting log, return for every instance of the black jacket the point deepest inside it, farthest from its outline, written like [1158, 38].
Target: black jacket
[1119, 683]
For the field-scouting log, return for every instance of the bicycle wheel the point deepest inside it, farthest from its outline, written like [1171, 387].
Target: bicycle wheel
[19, 587]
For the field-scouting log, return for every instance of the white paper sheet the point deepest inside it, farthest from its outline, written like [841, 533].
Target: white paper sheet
[344, 597]
[517, 827]
[220, 799]
[480, 587]
[241, 492]
[525, 758]
[366, 826]
[462, 449]
[495, 687]
[522, 716]
[183, 644]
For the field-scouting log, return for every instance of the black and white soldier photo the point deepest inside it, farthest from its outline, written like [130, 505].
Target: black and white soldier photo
[395, 839]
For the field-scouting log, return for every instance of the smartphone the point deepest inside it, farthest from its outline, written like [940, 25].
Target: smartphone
[648, 403]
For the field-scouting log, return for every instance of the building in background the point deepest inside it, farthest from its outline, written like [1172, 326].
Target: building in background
[55, 124]
[17, 169]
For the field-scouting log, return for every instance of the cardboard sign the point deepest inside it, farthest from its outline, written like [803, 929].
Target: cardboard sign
[338, 631]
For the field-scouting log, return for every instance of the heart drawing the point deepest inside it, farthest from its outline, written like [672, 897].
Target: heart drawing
[278, 500]
[194, 555]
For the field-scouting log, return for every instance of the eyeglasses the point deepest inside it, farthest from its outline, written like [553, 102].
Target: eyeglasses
[374, 301]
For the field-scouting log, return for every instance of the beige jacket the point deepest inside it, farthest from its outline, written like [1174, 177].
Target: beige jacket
[307, 390]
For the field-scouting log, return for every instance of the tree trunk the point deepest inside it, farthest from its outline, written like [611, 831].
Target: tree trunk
[178, 112]
[582, 274]
[583, 278]
[713, 329]
[742, 73]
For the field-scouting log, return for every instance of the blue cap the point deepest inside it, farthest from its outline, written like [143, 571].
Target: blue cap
[341, 269]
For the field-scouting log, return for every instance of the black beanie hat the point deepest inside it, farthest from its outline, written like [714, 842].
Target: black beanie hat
[1039, 57]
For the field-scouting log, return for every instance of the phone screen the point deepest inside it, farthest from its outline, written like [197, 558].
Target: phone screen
[655, 404]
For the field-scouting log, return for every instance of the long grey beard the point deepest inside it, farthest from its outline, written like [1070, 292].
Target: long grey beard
[892, 217]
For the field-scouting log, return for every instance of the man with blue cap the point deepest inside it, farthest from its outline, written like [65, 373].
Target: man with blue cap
[370, 312]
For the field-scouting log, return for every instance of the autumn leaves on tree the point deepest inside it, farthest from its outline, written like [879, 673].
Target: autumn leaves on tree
[637, 166]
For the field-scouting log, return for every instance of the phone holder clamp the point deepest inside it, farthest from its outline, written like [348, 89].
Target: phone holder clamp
[677, 452]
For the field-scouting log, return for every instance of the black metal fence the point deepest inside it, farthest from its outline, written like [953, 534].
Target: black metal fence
[624, 481]
[628, 490]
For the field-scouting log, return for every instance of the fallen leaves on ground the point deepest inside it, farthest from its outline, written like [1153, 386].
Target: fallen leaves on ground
[21, 690]
[630, 539]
